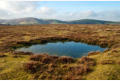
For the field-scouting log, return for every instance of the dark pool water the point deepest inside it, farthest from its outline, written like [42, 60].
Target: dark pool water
[73, 49]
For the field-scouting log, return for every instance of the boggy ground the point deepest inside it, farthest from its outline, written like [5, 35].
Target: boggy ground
[97, 65]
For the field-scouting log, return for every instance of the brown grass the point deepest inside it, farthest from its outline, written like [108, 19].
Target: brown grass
[80, 69]
[3, 55]
[104, 62]
[93, 53]
[45, 58]
[87, 60]
[22, 53]
[31, 66]
[54, 67]
[66, 59]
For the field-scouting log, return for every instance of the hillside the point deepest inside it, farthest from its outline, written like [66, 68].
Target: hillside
[30, 20]
[92, 21]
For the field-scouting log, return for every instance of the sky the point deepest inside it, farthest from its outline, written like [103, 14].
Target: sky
[61, 10]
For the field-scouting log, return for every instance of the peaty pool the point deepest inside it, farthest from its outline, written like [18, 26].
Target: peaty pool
[73, 49]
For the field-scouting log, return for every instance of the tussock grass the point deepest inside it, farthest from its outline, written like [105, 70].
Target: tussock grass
[108, 62]
[93, 53]
[44, 66]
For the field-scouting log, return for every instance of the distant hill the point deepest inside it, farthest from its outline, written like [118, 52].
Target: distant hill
[92, 21]
[30, 20]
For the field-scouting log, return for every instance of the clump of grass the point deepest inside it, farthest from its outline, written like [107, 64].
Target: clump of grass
[118, 62]
[22, 53]
[31, 66]
[71, 76]
[15, 56]
[104, 62]
[80, 69]
[38, 57]
[115, 51]
[106, 50]
[48, 60]
[56, 68]
[45, 58]
[65, 59]
[2, 55]
[93, 53]
[87, 60]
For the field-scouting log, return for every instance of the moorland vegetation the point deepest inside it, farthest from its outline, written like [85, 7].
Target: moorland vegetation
[26, 66]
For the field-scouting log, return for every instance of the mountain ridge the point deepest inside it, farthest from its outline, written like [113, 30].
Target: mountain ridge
[32, 21]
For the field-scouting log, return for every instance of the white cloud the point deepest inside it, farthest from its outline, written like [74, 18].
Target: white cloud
[12, 9]
[19, 9]
[44, 10]
[110, 15]
[16, 8]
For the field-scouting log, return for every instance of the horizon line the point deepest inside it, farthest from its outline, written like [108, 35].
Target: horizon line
[60, 19]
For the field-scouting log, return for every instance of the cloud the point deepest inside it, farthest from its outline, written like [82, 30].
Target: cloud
[20, 9]
[109, 15]
[76, 15]
[44, 10]
[17, 9]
